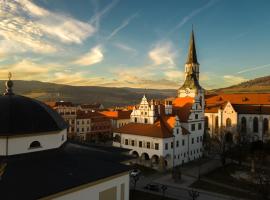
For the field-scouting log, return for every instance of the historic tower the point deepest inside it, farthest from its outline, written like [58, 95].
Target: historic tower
[191, 86]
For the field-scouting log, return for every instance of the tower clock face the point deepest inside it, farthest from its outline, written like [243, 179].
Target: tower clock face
[187, 90]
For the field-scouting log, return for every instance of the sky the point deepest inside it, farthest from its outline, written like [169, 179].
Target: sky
[139, 44]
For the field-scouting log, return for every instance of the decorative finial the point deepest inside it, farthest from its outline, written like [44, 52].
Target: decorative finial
[9, 76]
[9, 85]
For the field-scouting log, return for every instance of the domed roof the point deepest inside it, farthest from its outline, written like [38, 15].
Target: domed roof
[23, 115]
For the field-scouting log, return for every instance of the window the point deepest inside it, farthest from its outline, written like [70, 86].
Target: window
[148, 145]
[201, 138]
[198, 139]
[145, 121]
[135, 120]
[171, 144]
[196, 115]
[243, 125]
[145, 113]
[265, 126]
[63, 137]
[177, 143]
[132, 143]
[35, 144]
[166, 146]
[177, 131]
[255, 125]
[156, 146]
[206, 122]
[183, 142]
[140, 143]
[199, 126]
[193, 127]
[216, 124]
[126, 141]
[192, 141]
[228, 122]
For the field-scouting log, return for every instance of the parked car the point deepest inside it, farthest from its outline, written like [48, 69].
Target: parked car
[135, 172]
[152, 186]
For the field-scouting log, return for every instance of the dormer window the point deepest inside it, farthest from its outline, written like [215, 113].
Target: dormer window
[34, 145]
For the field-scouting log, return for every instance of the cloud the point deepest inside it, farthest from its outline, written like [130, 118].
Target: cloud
[122, 26]
[231, 79]
[95, 55]
[27, 70]
[163, 54]
[25, 26]
[193, 14]
[125, 47]
[253, 68]
[175, 75]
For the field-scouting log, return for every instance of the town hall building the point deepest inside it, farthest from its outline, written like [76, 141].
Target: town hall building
[164, 134]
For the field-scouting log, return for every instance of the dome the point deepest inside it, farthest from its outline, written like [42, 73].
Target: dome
[23, 115]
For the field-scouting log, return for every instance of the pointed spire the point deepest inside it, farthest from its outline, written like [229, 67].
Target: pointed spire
[192, 55]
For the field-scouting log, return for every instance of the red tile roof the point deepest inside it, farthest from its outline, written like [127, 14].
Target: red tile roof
[182, 107]
[158, 130]
[243, 98]
[117, 114]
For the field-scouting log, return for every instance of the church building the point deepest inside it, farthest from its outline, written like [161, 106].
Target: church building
[164, 134]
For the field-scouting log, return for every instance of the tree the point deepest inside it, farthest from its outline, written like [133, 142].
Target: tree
[193, 194]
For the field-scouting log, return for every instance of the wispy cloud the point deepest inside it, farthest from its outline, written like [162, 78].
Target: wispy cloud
[163, 53]
[25, 26]
[125, 47]
[253, 68]
[231, 79]
[96, 18]
[122, 26]
[193, 14]
[95, 55]
[27, 69]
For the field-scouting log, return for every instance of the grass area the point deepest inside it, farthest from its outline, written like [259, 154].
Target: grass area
[139, 195]
[218, 189]
[146, 171]
[223, 175]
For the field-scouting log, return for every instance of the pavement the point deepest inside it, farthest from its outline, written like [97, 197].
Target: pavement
[180, 190]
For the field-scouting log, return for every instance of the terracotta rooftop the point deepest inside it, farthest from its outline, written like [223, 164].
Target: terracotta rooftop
[157, 130]
[117, 114]
[243, 98]
[182, 107]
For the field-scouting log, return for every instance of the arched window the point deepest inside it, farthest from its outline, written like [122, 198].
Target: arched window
[135, 120]
[35, 144]
[265, 126]
[206, 121]
[255, 125]
[216, 124]
[145, 120]
[228, 122]
[243, 125]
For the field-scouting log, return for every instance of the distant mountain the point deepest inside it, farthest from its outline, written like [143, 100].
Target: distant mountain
[116, 96]
[257, 85]
[85, 94]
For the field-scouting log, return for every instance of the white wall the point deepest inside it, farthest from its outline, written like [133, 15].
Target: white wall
[92, 192]
[21, 144]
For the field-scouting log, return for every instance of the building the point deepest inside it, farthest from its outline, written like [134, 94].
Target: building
[91, 107]
[163, 134]
[69, 112]
[92, 125]
[246, 113]
[37, 162]
[118, 117]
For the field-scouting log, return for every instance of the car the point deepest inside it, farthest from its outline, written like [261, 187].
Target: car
[135, 172]
[152, 186]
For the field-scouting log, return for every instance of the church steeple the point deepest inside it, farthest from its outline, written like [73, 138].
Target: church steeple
[192, 55]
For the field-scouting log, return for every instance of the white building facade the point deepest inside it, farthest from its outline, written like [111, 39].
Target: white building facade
[169, 133]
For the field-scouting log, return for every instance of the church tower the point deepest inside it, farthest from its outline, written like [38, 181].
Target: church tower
[191, 86]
